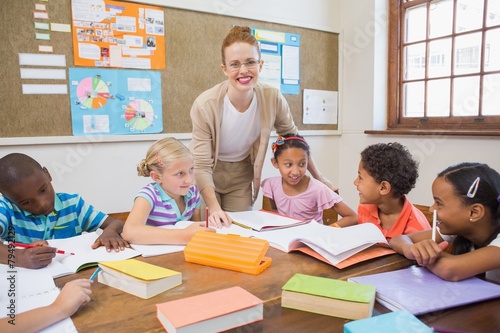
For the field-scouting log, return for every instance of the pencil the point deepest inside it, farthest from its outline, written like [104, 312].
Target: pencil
[206, 217]
[27, 246]
[92, 277]
[434, 221]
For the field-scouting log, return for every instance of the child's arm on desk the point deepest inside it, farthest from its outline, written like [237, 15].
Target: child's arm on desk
[419, 246]
[136, 231]
[111, 236]
[348, 216]
[72, 296]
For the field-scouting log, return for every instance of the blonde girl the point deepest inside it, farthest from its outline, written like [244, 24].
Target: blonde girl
[171, 198]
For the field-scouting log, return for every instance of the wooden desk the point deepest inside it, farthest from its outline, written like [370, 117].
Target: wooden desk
[478, 318]
[112, 310]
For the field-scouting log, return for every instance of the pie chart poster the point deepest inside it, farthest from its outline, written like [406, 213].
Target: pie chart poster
[112, 101]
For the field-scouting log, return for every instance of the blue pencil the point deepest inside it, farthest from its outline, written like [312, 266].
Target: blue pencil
[93, 276]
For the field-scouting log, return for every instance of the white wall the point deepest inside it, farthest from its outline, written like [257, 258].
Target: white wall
[102, 169]
[364, 107]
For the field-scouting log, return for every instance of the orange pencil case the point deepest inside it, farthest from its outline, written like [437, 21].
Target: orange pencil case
[233, 252]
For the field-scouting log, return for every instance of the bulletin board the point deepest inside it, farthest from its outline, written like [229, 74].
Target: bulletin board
[193, 58]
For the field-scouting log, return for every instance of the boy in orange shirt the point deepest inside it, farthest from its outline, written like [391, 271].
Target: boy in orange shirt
[386, 173]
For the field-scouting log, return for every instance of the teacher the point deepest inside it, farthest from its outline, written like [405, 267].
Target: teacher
[232, 124]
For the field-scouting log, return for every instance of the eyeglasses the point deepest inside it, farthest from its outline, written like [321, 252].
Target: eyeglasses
[234, 66]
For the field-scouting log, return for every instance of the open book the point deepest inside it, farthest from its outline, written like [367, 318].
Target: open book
[262, 220]
[84, 256]
[339, 247]
[419, 291]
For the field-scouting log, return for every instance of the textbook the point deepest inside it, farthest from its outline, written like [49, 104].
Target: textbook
[137, 277]
[263, 220]
[393, 322]
[419, 291]
[329, 297]
[211, 312]
[84, 256]
[335, 246]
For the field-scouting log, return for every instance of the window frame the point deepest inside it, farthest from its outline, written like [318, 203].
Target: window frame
[470, 125]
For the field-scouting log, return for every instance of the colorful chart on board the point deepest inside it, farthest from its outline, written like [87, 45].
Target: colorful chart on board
[93, 92]
[110, 101]
[139, 115]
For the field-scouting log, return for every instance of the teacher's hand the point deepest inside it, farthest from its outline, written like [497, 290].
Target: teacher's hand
[219, 218]
[329, 184]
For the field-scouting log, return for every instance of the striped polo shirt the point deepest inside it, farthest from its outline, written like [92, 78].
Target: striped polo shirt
[71, 216]
[164, 210]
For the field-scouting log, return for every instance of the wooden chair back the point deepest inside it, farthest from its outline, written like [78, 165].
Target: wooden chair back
[425, 209]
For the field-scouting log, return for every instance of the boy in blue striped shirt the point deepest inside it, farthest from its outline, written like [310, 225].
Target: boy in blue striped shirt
[31, 212]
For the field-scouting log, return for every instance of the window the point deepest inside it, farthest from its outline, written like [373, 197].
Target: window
[444, 65]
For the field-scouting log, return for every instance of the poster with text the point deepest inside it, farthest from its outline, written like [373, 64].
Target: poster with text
[118, 34]
[280, 52]
[112, 101]
[320, 107]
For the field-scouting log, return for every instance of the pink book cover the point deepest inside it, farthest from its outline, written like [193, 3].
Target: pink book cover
[189, 310]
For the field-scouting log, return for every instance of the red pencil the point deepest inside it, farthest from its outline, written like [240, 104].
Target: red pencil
[27, 246]
[206, 217]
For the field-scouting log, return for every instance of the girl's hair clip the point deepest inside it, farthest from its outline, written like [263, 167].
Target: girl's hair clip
[281, 140]
[473, 188]
[160, 162]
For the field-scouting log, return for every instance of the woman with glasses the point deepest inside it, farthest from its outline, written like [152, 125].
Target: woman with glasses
[232, 124]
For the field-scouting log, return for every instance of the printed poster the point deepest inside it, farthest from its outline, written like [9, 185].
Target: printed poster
[320, 107]
[113, 101]
[281, 54]
[118, 34]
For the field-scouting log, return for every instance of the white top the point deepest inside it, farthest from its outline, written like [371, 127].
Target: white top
[493, 275]
[239, 130]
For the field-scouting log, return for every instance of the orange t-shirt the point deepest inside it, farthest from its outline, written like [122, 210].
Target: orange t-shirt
[409, 221]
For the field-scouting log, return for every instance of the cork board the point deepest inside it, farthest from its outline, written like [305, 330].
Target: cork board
[193, 58]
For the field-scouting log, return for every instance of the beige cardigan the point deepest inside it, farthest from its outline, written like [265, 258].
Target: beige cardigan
[206, 115]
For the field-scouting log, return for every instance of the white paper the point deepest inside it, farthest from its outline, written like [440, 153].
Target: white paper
[60, 27]
[291, 63]
[36, 59]
[44, 89]
[320, 107]
[38, 73]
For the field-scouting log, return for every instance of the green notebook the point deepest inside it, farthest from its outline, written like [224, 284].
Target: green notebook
[327, 296]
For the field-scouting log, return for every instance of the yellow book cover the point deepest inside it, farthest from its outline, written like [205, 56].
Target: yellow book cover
[137, 277]
[139, 269]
